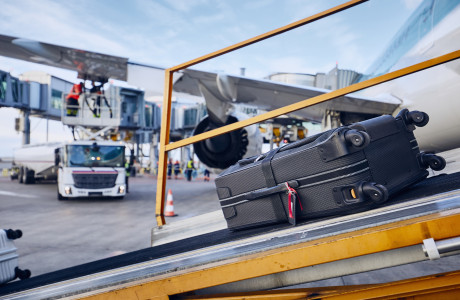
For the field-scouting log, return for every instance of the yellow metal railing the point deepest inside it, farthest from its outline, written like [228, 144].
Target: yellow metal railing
[166, 114]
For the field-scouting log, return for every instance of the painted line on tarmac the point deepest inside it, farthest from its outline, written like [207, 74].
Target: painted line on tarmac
[16, 194]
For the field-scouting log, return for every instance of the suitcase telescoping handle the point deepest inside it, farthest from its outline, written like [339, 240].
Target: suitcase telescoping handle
[308, 140]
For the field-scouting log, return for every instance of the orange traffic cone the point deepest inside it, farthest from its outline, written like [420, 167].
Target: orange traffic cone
[169, 211]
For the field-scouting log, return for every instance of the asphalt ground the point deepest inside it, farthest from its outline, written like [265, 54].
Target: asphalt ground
[61, 234]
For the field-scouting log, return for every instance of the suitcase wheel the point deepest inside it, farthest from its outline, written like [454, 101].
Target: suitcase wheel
[435, 162]
[13, 234]
[376, 192]
[418, 118]
[22, 274]
[357, 138]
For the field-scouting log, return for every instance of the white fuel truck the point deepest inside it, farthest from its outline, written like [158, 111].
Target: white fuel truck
[81, 168]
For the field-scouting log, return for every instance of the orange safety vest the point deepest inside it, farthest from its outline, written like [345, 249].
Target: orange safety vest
[75, 91]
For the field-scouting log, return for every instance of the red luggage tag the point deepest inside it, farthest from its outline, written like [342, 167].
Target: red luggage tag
[292, 196]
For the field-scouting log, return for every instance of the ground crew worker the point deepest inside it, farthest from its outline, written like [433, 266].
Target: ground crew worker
[176, 169]
[189, 170]
[72, 99]
[128, 173]
[206, 174]
[169, 170]
[97, 91]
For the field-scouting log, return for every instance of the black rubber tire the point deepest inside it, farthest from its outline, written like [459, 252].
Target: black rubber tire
[21, 175]
[22, 274]
[375, 192]
[437, 163]
[13, 234]
[418, 118]
[357, 138]
[60, 197]
[29, 176]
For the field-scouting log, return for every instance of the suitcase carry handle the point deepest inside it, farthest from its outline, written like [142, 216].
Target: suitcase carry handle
[356, 138]
[305, 141]
[262, 193]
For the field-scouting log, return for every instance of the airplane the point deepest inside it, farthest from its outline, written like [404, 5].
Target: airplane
[432, 30]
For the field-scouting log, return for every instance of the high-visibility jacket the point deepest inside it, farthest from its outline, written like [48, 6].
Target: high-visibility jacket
[75, 91]
[128, 169]
[190, 165]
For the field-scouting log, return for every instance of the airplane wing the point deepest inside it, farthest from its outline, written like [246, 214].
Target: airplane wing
[269, 95]
[89, 65]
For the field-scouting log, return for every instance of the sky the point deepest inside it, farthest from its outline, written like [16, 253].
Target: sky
[167, 33]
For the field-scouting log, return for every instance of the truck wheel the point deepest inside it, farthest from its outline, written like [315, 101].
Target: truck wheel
[21, 175]
[29, 176]
[59, 196]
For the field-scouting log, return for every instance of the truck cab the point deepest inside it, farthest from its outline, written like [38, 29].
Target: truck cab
[91, 169]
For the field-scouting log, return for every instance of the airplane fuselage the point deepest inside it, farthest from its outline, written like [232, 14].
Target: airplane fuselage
[435, 91]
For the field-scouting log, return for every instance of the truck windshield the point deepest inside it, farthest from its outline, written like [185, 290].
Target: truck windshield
[95, 156]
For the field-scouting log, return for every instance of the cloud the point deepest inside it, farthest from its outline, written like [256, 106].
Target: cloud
[412, 4]
[187, 5]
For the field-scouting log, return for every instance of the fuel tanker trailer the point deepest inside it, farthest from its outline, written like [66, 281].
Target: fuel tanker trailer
[81, 168]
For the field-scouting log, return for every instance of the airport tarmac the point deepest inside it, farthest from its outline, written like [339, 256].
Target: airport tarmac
[61, 234]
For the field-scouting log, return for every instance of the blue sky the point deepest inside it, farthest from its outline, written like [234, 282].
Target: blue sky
[167, 33]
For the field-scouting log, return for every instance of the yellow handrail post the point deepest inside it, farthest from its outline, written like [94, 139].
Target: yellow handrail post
[164, 141]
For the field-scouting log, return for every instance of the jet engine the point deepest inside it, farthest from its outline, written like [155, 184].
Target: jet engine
[224, 150]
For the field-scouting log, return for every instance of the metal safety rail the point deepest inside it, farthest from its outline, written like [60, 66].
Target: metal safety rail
[165, 146]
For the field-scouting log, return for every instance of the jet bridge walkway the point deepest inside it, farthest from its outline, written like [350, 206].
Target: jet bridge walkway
[267, 258]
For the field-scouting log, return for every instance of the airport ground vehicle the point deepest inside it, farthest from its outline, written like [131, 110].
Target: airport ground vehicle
[81, 168]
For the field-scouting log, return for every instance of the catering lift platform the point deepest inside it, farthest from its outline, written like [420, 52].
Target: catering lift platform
[107, 112]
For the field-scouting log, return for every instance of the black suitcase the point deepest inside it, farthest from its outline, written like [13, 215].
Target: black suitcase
[343, 170]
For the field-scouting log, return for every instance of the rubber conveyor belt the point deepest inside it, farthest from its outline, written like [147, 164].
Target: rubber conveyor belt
[432, 195]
